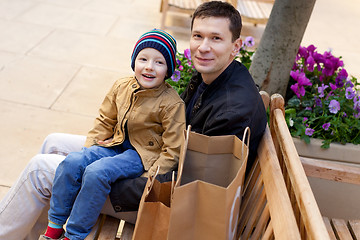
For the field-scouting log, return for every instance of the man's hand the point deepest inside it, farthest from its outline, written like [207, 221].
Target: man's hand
[101, 142]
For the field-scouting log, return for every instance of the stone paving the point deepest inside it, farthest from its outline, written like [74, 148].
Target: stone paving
[58, 59]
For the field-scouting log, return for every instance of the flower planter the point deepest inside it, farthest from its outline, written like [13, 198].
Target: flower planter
[336, 199]
[348, 153]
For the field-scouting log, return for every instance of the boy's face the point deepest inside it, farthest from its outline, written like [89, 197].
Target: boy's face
[211, 46]
[150, 68]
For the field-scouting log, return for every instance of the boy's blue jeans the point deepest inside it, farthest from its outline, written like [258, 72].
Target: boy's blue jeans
[82, 183]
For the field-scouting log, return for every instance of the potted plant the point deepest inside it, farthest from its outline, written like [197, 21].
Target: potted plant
[322, 100]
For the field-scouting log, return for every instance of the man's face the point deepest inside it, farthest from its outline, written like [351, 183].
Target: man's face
[211, 46]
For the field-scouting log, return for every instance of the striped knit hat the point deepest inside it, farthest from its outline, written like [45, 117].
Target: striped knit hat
[161, 41]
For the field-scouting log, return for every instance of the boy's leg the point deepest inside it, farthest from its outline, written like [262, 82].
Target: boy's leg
[95, 188]
[68, 178]
[24, 207]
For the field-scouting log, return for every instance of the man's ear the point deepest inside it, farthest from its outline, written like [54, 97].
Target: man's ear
[237, 45]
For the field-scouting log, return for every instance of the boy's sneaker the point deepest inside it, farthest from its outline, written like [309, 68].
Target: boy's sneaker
[43, 237]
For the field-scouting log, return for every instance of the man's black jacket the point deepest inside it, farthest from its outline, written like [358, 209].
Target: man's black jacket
[226, 107]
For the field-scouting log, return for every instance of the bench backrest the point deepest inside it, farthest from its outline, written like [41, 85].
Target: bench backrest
[307, 213]
[266, 210]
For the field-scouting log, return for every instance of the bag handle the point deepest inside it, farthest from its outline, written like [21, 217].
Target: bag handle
[182, 157]
[246, 133]
[152, 180]
[172, 186]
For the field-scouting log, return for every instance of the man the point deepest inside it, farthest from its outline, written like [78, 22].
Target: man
[221, 99]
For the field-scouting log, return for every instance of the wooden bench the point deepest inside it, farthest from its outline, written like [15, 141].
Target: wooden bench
[110, 228]
[254, 11]
[277, 201]
[337, 227]
[296, 171]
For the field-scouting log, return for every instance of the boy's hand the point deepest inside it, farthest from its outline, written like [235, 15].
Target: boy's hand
[105, 141]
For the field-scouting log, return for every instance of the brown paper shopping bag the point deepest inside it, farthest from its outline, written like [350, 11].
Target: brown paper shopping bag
[154, 210]
[207, 193]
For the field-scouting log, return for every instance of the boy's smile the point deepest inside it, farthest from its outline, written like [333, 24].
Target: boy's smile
[150, 68]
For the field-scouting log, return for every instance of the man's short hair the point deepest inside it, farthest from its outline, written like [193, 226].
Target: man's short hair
[220, 9]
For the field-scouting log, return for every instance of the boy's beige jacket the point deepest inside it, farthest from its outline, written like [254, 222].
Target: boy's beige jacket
[155, 121]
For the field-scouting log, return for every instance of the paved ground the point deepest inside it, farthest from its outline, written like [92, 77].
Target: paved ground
[58, 58]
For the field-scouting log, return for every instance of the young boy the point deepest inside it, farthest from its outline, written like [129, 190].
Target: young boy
[138, 129]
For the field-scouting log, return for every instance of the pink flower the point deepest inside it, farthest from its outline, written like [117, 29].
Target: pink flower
[310, 62]
[301, 78]
[298, 90]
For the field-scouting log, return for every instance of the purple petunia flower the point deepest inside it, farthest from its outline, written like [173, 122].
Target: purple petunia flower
[357, 108]
[357, 105]
[305, 119]
[349, 84]
[318, 102]
[349, 93]
[326, 126]
[334, 106]
[341, 78]
[187, 53]
[309, 131]
[249, 41]
[321, 90]
[176, 76]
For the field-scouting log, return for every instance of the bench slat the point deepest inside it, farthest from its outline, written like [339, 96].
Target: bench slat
[329, 228]
[109, 228]
[127, 231]
[331, 170]
[341, 229]
[261, 225]
[282, 218]
[354, 226]
[305, 200]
